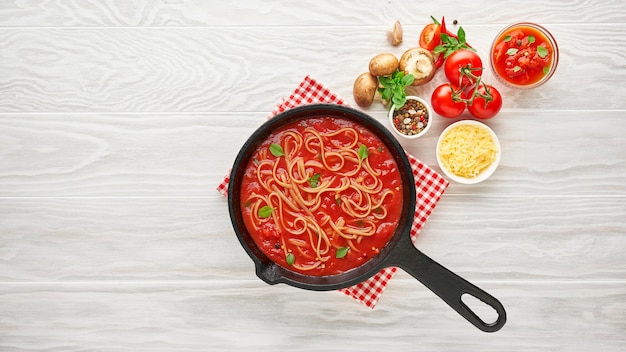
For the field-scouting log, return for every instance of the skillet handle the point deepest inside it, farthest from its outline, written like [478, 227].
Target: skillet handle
[449, 287]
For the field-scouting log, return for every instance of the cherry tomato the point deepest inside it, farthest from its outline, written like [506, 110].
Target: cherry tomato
[443, 103]
[429, 38]
[482, 109]
[461, 59]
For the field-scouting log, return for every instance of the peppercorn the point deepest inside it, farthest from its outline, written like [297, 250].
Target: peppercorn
[411, 118]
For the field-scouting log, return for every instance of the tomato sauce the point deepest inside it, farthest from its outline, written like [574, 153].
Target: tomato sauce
[321, 250]
[523, 55]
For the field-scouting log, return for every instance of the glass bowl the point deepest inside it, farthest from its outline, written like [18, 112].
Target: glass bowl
[524, 55]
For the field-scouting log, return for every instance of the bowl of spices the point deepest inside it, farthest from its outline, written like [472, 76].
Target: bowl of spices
[412, 119]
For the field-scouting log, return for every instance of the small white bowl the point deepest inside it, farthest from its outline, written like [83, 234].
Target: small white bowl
[428, 118]
[482, 175]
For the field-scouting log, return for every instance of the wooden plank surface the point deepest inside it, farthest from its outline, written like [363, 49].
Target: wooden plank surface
[218, 69]
[119, 119]
[248, 315]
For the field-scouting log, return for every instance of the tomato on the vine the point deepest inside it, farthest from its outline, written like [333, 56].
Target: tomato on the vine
[429, 38]
[465, 59]
[444, 103]
[483, 109]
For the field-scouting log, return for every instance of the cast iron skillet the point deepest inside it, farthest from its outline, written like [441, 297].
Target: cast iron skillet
[399, 251]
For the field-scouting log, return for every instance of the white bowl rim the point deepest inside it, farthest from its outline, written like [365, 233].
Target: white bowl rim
[483, 175]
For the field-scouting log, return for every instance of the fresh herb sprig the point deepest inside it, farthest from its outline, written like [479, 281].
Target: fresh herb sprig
[276, 150]
[394, 87]
[363, 152]
[265, 212]
[341, 252]
[451, 43]
[314, 180]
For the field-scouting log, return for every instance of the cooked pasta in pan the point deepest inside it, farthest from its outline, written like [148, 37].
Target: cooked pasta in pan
[321, 196]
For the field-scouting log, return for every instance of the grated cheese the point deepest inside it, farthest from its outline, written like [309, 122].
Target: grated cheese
[467, 150]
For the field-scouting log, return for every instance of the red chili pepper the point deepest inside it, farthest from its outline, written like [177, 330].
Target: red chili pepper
[443, 25]
[439, 61]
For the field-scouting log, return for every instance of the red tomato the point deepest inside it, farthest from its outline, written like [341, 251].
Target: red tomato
[461, 59]
[443, 103]
[482, 109]
[429, 38]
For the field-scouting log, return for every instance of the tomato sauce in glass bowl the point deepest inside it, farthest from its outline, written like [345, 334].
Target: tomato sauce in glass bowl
[524, 55]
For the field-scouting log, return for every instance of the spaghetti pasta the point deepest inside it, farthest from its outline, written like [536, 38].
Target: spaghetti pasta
[333, 186]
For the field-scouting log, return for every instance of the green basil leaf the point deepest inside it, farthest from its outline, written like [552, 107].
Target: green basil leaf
[461, 34]
[362, 152]
[386, 93]
[546, 70]
[408, 80]
[512, 51]
[507, 39]
[276, 150]
[439, 49]
[314, 180]
[542, 52]
[531, 39]
[397, 76]
[385, 81]
[398, 91]
[516, 69]
[341, 252]
[290, 258]
[398, 101]
[265, 212]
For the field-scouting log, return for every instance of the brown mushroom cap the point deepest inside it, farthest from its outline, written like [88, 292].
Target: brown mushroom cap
[420, 63]
[364, 89]
[383, 64]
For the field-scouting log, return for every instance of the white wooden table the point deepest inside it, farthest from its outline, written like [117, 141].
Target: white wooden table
[118, 119]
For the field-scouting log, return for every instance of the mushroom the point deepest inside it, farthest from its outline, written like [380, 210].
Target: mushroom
[364, 89]
[420, 63]
[383, 64]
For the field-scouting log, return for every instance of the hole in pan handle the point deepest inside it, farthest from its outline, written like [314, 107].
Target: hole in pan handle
[448, 286]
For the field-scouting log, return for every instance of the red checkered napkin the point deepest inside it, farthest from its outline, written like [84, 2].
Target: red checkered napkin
[429, 187]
